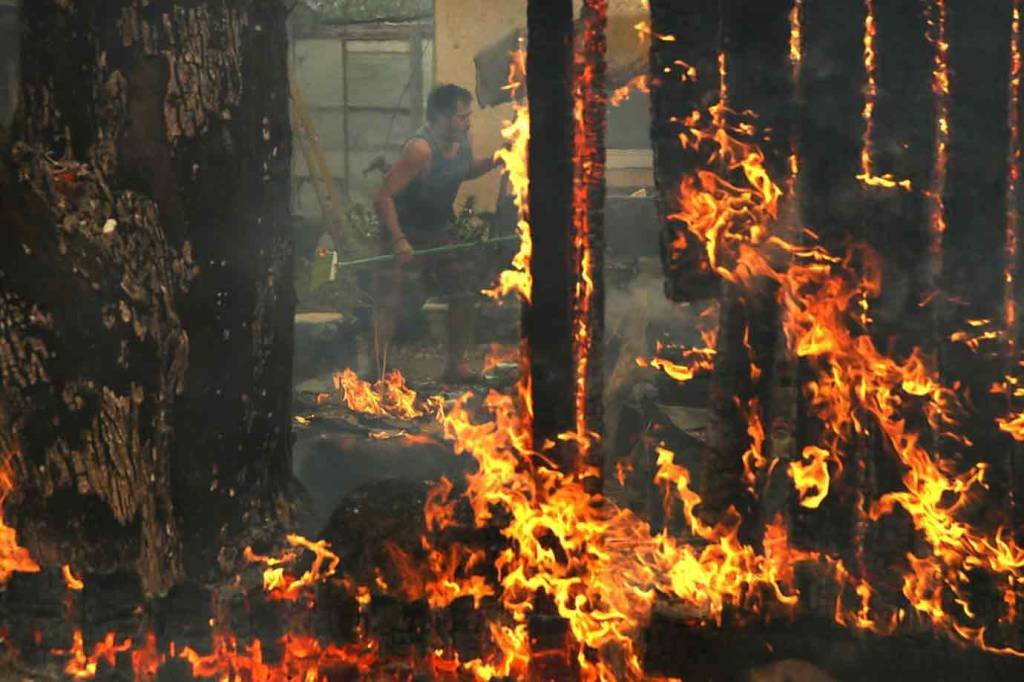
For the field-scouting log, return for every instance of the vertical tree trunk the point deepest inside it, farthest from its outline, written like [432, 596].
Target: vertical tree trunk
[146, 311]
[547, 321]
[588, 230]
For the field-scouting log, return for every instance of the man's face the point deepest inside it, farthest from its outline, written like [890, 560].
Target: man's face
[460, 119]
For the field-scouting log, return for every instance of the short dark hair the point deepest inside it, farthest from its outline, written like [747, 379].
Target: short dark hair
[444, 99]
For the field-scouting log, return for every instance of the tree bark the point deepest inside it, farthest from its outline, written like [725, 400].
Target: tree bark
[146, 311]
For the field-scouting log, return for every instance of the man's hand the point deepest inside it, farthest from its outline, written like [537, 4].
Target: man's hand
[402, 250]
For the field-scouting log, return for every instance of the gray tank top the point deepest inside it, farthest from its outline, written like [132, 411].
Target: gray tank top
[425, 206]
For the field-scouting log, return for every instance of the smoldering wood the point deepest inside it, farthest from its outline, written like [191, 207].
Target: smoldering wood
[147, 309]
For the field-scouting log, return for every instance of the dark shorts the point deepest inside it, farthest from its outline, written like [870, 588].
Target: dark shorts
[443, 276]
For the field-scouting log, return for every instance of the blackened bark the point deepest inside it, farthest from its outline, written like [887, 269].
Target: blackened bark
[547, 321]
[145, 317]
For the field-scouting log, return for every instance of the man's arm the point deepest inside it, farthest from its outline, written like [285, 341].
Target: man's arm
[478, 167]
[415, 157]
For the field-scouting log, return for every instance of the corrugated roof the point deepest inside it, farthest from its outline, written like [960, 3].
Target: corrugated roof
[361, 11]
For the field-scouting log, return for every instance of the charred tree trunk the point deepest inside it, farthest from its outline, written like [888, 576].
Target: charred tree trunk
[547, 321]
[146, 304]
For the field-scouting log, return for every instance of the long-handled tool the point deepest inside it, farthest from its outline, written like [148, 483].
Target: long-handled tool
[447, 248]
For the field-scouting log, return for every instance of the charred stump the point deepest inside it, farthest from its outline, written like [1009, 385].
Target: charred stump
[145, 295]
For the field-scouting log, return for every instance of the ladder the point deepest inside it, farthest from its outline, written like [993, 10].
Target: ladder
[326, 194]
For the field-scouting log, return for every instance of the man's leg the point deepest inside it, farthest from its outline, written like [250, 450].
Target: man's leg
[462, 317]
[387, 304]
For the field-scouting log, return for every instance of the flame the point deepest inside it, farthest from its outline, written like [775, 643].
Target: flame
[622, 93]
[515, 158]
[796, 58]
[72, 582]
[83, 666]
[796, 38]
[810, 477]
[1012, 424]
[388, 397]
[589, 106]
[13, 557]
[694, 361]
[498, 355]
[602, 567]
[302, 659]
[867, 173]
[1011, 247]
[280, 585]
[940, 92]
[856, 389]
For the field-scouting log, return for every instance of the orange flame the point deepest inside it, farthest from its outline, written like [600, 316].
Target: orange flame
[1012, 185]
[693, 362]
[13, 557]
[796, 38]
[589, 171]
[515, 158]
[388, 397]
[940, 91]
[622, 93]
[72, 582]
[281, 586]
[810, 477]
[83, 666]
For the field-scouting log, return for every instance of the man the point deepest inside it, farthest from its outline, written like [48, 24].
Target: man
[414, 205]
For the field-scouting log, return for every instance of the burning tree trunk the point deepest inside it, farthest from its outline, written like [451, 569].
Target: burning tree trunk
[547, 321]
[757, 77]
[588, 233]
[146, 305]
[676, 91]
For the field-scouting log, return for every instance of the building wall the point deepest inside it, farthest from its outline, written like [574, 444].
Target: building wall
[364, 98]
[464, 27]
[461, 29]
